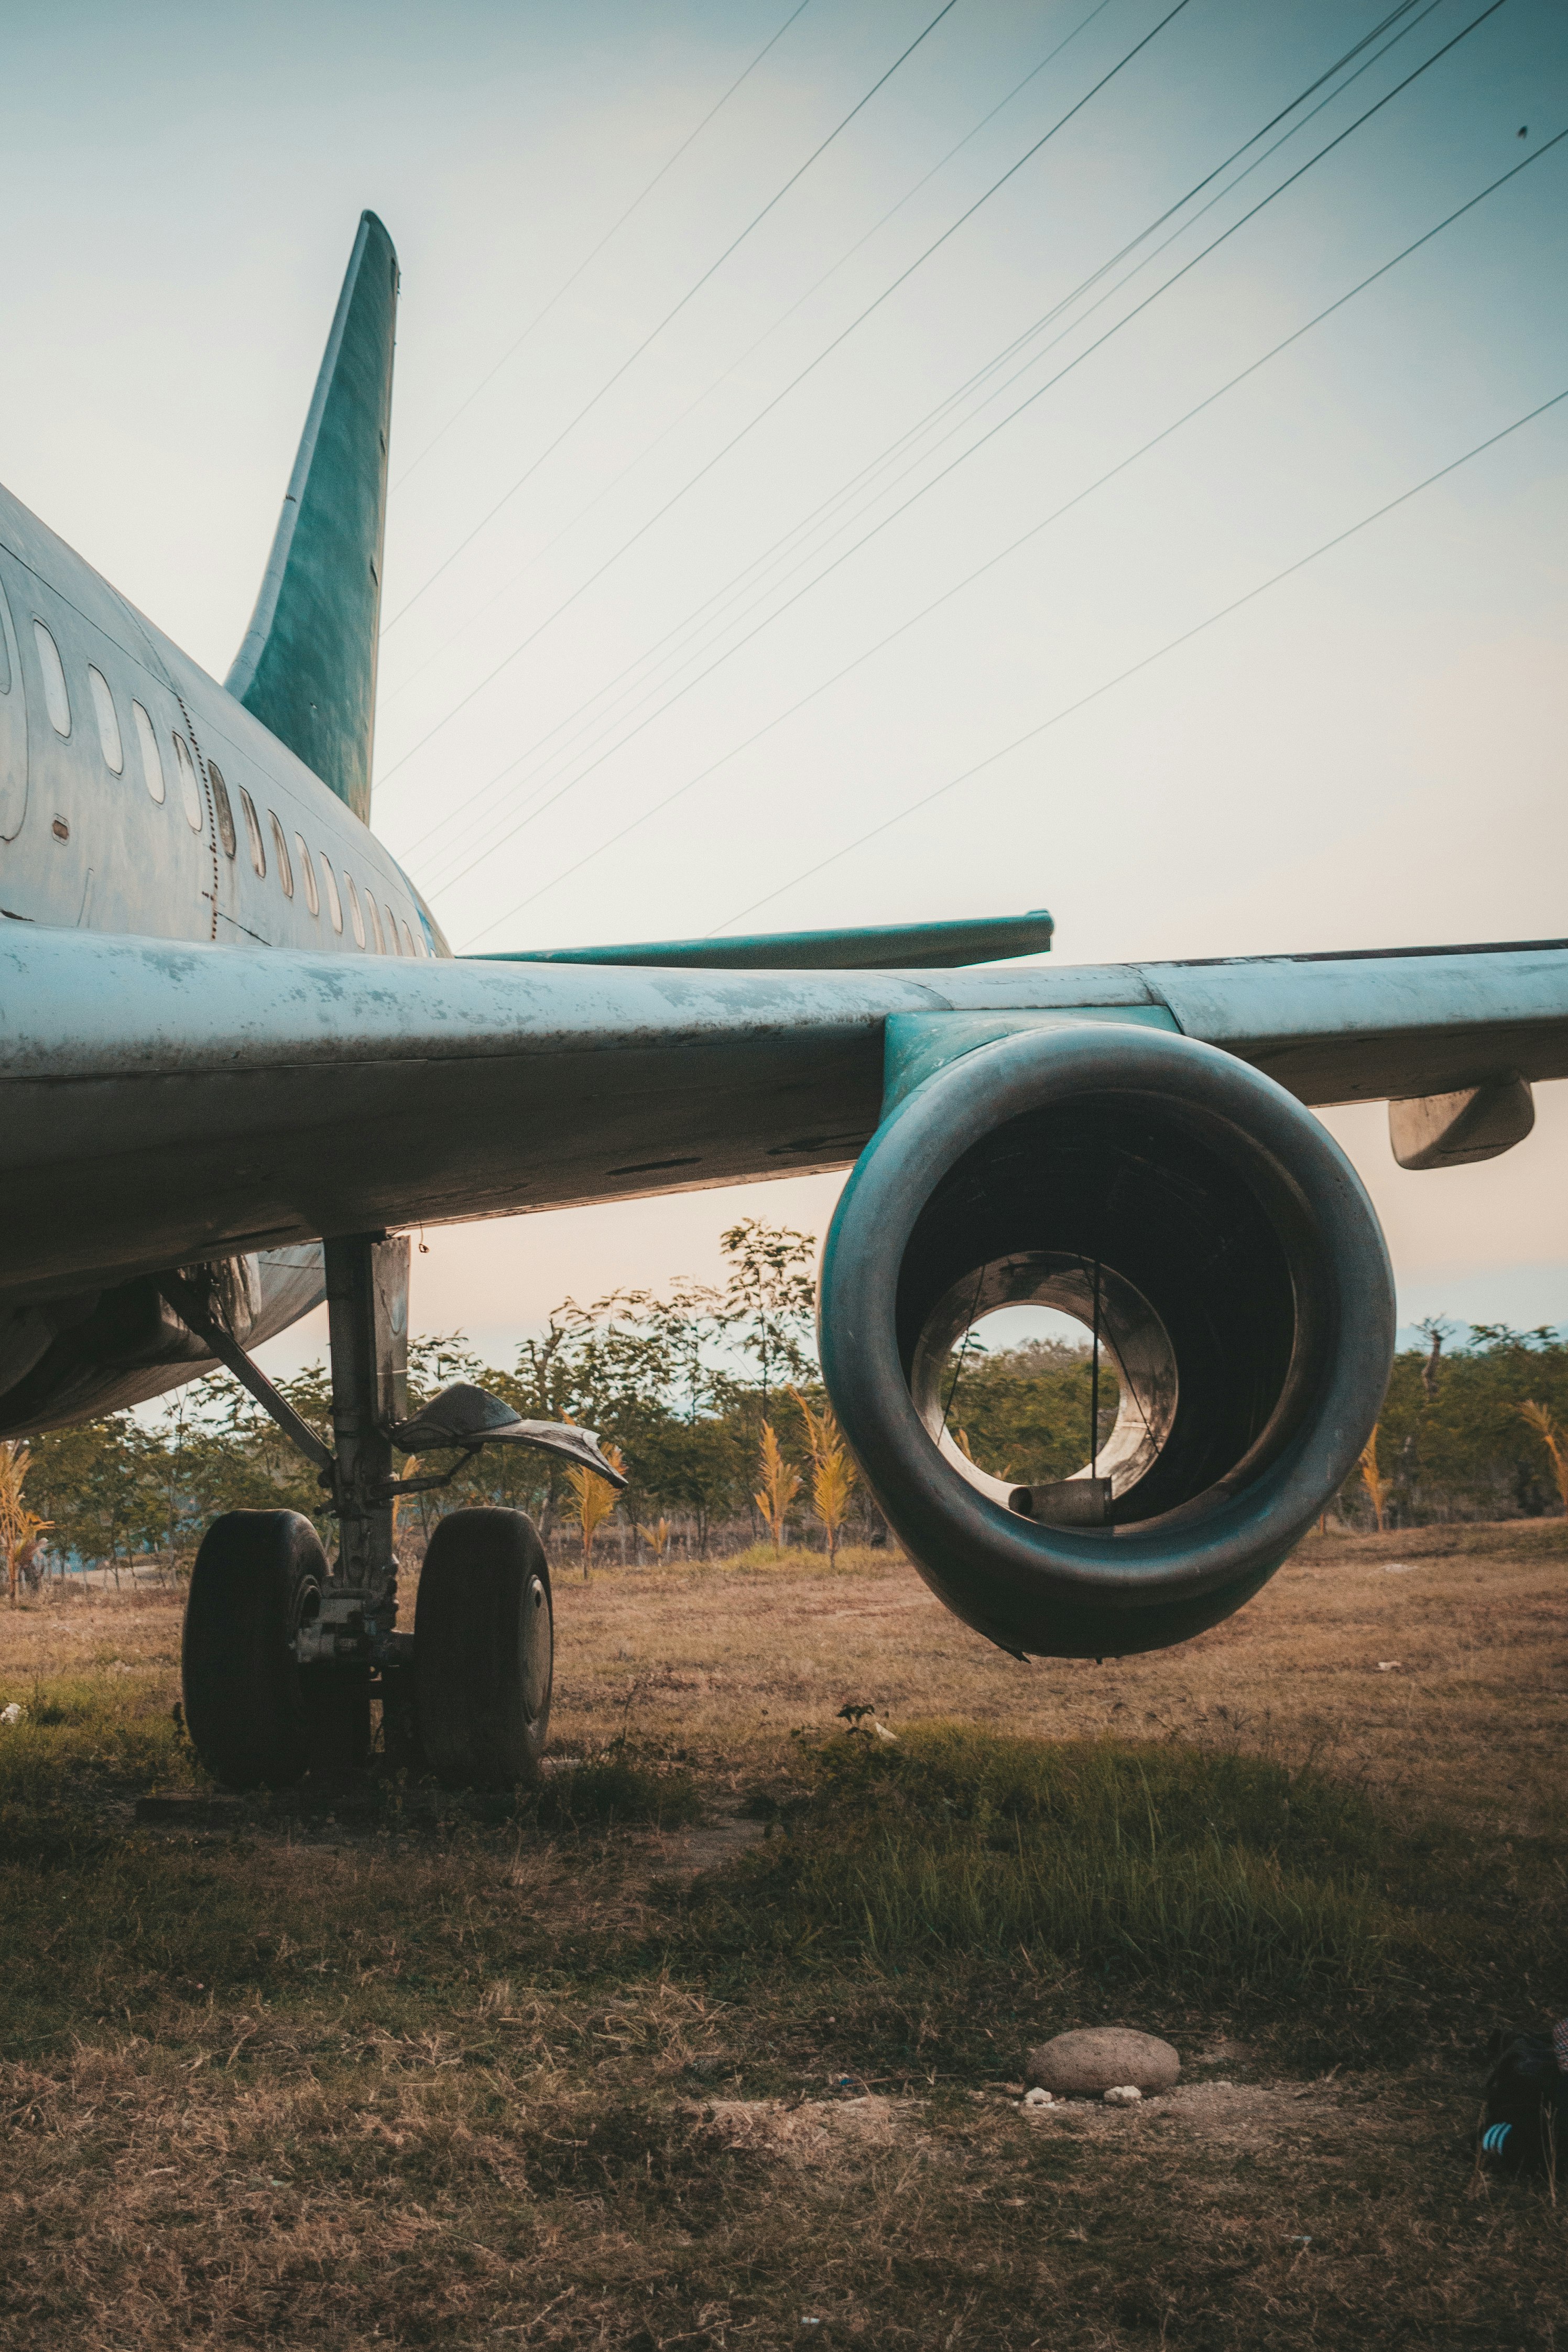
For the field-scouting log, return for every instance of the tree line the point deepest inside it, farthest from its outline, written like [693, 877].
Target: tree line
[711, 1396]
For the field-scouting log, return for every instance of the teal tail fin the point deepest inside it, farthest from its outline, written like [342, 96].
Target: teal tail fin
[306, 668]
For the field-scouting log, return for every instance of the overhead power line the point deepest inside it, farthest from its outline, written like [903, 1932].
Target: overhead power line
[613, 231]
[1068, 507]
[689, 295]
[903, 277]
[943, 407]
[766, 336]
[912, 808]
[1002, 423]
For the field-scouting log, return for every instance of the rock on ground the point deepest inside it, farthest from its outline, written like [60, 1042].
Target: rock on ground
[1094, 2059]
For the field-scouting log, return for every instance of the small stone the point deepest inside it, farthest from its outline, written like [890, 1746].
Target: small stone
[14, 1713]
[1124, 2094]
[1037, 2098]
[1092, 2060]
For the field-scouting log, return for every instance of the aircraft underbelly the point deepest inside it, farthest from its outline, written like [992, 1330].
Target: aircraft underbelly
[89, 1351]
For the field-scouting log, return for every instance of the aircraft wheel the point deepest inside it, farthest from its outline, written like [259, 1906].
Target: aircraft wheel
[253, 1717]
[484, 1650]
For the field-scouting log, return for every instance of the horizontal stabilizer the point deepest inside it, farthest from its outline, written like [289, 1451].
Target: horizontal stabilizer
[306, 668]
[886, 947]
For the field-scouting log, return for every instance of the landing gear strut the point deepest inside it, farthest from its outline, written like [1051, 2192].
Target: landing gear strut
[283, 1650]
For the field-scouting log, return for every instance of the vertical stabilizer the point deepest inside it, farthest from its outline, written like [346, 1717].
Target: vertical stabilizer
[306, 668]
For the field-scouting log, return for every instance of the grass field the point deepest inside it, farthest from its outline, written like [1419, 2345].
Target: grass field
[711, 2043]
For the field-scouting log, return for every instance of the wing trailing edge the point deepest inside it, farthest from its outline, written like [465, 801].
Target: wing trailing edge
[307, 666]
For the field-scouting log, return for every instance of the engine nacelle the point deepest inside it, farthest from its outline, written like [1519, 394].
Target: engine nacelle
[1246, 1302]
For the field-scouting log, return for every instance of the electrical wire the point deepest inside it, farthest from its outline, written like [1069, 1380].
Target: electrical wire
[752, 349]
[1135, 668]
[1056, 515]
[613, 231]
[692, 292]
[1327, 149]
[847, 489]
[888, 290]
[534, 807]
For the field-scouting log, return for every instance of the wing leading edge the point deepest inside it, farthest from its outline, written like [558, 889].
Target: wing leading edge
[161, 1103]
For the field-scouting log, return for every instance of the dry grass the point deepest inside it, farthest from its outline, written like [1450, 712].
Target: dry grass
[422, 2078]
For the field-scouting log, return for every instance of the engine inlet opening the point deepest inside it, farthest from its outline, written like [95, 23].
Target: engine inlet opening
[1116, 1224]
[1016, 1400]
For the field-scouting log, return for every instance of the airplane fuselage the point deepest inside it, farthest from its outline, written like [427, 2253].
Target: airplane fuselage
[137, 796]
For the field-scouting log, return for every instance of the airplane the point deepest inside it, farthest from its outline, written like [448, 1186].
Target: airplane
[238, 1060]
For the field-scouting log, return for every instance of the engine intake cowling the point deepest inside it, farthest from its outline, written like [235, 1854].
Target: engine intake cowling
[1246, 1302]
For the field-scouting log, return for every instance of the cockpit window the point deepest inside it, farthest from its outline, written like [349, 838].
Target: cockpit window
[308, 875]
[374, 913]
[57, 701]
[408, 947]
[281, 851]
[225, 832]
[335, 904]
[395, 945]
[190, 786]
[151, 761]
[108, 720]
[253, 831]
[355, 918]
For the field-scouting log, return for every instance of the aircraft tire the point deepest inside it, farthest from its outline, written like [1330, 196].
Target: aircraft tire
[258, 1575]
[484, 1651]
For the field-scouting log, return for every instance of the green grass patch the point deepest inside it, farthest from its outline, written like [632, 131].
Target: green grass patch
[81, 1739]
[1151, 1863]
[619, 1790]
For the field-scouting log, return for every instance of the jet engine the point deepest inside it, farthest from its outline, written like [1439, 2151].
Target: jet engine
[1192, 1213]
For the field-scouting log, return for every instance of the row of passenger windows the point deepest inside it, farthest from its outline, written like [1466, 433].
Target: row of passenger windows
[390, 938]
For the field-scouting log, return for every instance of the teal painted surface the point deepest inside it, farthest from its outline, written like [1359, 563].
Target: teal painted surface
[920, 1043]
[884, 947]
[306, 668]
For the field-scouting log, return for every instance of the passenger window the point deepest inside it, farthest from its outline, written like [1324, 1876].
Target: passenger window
[308, 875]
[190, 785]
[370, 908]
[281, 851]
[395, 944]
[57, 701]
[225, 832]
[108, 720]
[253, 828]
[355, 918]
[147, 741]
[335, 904]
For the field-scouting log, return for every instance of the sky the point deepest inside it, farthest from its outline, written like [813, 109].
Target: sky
[665, 358]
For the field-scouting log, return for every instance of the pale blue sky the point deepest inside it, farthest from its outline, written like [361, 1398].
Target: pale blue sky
[1370, 754]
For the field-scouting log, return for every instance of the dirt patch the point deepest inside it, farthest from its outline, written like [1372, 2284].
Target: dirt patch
[818, 2132]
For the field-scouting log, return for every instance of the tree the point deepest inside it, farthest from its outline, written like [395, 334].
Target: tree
[1376, 1484]
[21, 1529]
[1545, 1424]
[781, 1484]
[832, 1472]
[597, 1498]
[770, 1299]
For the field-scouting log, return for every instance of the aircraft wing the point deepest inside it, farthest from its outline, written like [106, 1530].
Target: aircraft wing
[161, 1102]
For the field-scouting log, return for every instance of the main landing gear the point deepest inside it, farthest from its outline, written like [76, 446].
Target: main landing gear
[284, 1650]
